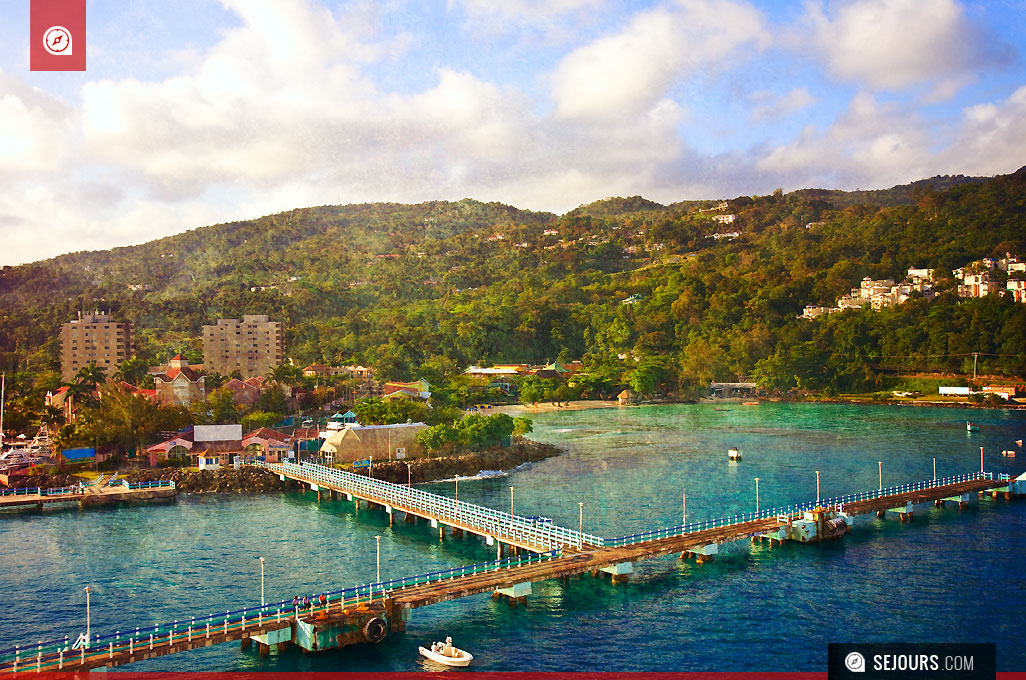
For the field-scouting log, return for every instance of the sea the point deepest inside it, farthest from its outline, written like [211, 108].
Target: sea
[948, 576]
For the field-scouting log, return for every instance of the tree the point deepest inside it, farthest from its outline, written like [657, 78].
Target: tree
[522, 426]
[133, 370]
[436, 437]
[259, 419]
[222, 407]
[373, 411]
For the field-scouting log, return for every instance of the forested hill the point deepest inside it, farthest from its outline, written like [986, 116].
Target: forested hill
[398, 286]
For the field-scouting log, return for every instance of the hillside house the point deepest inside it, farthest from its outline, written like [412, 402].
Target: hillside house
[180, 385]
[419, 390]
[245, 392]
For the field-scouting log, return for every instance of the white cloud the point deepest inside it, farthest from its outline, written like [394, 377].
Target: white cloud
[990, 139]
[33, 126]
[768, 106]
[868, 145]
[621, 75]
[896, 44]
[548, 18]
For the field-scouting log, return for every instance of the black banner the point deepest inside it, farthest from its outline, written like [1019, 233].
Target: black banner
[907, 661]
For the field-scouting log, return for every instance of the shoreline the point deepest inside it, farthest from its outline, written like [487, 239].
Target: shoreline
[498, 459]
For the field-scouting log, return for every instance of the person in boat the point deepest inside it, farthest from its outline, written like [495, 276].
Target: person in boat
[447, 649]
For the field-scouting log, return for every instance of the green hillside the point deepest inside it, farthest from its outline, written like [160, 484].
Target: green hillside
[398, 286]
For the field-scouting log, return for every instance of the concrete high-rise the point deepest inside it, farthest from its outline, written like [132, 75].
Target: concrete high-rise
[252, 346]
[94, 337]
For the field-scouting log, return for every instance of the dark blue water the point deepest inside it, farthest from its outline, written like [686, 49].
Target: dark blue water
[950, 576]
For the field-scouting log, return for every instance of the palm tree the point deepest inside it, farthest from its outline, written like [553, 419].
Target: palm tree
[83, 389]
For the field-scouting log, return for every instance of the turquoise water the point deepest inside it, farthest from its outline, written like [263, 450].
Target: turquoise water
[950, 576]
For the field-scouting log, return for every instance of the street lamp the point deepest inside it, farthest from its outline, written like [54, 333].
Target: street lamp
[377, 540]
[817, 487]
[262, 602]
[87, 615]
[511, 501]
[683, 506]
[756, 495]
[981, 459]
[409, 476]
[880, 465]
[457, 488]
[580, 523]
[935, 469]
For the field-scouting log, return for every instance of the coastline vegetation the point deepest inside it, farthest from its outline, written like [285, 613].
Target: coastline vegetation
[651, 297]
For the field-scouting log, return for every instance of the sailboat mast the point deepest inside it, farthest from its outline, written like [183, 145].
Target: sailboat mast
[3, 387]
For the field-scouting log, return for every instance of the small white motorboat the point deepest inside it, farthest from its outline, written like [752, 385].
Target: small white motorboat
[734, 453]
[970, 426]
[452, 656]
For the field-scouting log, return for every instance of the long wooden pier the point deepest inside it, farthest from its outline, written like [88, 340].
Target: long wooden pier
[369, 612]
[88, 495]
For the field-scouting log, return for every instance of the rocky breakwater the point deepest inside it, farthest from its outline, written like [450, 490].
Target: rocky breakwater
[226, 480]
[54, 481]
[464, 465]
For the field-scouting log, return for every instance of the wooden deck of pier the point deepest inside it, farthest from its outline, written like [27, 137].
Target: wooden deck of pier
[393, 602]
[89, 496]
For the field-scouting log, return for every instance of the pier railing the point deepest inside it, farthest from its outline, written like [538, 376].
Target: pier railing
[501, 525]
[73, 490]
[836, 502]
[56, 654]
[155, 484]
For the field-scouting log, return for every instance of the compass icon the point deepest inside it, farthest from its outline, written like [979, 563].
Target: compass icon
[57, 41]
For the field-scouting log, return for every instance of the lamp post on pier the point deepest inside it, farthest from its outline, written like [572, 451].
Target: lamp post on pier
[511, 503]
[757, 495]
[981, 459]
[87, 615]
[457, 488]
[935, 469]
[880, 465]
[684, 506]
[817, 487]
[377, 540]
[580, 522]
[409, 476]
[262, 602]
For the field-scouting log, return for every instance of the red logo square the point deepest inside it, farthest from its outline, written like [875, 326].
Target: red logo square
[57, 35]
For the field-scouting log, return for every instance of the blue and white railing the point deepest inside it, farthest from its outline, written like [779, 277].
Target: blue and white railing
[501, 525]
[57, 654]
[792, 510]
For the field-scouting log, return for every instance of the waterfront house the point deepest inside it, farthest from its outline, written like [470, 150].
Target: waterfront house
[271, 445]
[628, 398]
[381, 442]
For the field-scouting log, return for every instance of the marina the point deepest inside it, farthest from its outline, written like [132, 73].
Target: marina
[633, 596]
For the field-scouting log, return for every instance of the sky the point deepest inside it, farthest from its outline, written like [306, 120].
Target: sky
[196, 112]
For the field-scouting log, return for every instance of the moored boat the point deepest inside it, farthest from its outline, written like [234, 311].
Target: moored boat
[734, 453]
[970, 426]
[446, 654]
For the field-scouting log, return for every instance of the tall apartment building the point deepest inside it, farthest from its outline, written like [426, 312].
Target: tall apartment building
[94, 337]
[252, 346]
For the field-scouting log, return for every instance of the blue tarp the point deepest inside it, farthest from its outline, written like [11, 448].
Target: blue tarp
[78, 454]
